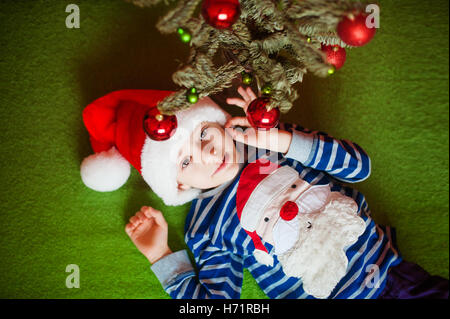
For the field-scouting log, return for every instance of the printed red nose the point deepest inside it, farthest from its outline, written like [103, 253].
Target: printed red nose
[289, 210]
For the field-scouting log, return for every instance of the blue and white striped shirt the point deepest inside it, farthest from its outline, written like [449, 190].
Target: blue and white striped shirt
[222, 249]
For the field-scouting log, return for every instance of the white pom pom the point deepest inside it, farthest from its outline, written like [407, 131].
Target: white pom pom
[105, 171]
[263, 258]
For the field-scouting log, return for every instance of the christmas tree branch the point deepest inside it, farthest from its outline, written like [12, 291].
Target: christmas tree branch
[321, 15]
[178, 16]
[278, 41]
[147, 3]
[318, 19]
[204, 77]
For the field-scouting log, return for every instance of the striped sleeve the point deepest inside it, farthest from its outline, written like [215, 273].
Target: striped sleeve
[220, 275]
[342, 159]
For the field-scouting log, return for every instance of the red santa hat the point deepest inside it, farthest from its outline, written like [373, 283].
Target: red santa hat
[250, 205]
[117, 135]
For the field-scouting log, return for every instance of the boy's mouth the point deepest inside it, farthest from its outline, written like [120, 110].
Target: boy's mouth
[222, 165]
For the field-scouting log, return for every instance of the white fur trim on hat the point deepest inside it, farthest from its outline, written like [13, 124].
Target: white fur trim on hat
[105, 171]
[159, 165]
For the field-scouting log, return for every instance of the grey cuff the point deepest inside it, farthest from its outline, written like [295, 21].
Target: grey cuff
[301, 148]
[171, 266]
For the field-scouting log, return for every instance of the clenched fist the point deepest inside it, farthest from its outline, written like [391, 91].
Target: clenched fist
[148, 231]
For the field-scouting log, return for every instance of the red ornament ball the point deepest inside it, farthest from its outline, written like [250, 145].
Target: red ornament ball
[258, 115]
[335, 55]
[353, 30]
[159, 127]
[289, 210]
[221, 14]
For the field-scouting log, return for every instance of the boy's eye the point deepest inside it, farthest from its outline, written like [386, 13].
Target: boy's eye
[203, 133]
[186, 162]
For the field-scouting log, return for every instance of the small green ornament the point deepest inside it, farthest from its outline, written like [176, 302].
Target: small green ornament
[192, 96]
[308, 39]
[186, 38]
[184, 35]
[331, 70]
[266, 89]
[247, 78]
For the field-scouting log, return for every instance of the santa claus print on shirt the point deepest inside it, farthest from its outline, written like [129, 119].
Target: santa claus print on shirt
[308, 226]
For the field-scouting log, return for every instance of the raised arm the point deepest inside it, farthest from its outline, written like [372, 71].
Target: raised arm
[344, 160]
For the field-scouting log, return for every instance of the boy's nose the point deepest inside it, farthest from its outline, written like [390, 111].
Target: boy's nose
[212, 156]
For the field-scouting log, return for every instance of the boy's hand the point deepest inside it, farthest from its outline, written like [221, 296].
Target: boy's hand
[274, 139]
[148, 231]
[247, 95]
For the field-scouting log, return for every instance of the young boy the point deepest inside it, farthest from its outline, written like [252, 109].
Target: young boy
[213, 167]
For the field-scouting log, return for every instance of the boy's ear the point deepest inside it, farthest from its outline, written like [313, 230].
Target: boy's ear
[183, 187]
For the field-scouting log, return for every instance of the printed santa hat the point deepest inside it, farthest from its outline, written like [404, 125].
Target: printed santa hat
[250, 208]
[117, 135]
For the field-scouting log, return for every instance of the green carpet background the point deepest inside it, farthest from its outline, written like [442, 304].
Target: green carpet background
[391, 98]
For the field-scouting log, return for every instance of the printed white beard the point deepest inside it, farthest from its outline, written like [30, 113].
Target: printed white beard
[317, 255]
[285, 234]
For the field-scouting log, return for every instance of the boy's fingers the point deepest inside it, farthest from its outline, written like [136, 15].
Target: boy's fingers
[236, 101]
[140, 215]
[239, 136]
[246, 137]
[146, 211]
[228, 123]
[238, 120]
[251, 94]
[158, 216]
[145, 208]
[129, 228]
[243, 93]
[134, 220]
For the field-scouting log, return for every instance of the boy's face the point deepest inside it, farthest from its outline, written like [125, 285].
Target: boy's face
[208, 159]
